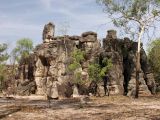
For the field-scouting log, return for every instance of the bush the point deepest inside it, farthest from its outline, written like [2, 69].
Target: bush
[77, 56]
[3, 58]
[97, 71]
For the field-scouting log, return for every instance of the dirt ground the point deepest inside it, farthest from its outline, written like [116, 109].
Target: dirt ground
[96, 108]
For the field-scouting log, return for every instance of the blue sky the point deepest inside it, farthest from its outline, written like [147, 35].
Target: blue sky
[26, 18]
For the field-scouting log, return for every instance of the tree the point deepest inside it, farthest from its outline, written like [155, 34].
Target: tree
[94, 71]
[154, 52]
[3, 58]
[63, 28]
[23, 48]
[77, 57]
[97, 71]
[135, 17]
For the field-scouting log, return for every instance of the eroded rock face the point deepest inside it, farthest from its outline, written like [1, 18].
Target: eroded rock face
[48, 32]
[129, 64]
[50, 72]
[46, 72]
[123, 73]
[112, 50]
[25, 80]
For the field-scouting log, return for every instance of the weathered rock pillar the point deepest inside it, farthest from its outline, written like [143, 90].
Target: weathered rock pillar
[48, 32]
[111, 34]
[112, 51]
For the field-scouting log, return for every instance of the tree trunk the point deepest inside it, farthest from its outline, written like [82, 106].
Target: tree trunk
[137, 74]
[138, 61]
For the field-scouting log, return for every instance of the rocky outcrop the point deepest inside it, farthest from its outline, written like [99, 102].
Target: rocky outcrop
[48, 32]
[25, 81]
[51, 59]
[123, 73]
[129, 64]
[112, 50]
[45, 72]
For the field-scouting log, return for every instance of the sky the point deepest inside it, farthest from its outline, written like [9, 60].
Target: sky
[26, 18]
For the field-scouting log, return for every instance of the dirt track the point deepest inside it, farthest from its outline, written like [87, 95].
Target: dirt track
[105, 108]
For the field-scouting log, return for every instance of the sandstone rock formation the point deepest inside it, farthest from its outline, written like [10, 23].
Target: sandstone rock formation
[45, 72]
[112, 50]
[48, 32]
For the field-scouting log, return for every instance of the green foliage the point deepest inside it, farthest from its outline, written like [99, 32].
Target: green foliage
[107, 63]
[73, 66]
[23, 48]
[131, 15]
[2, 75]
[3, 58]
[3, 47]
[77, 78]
[77, 57]
[154, 58]
[3, 54]
[94, 71]
[97, 71]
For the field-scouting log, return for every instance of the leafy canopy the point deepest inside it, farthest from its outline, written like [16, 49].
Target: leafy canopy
[132, 15]
[23, 48]
[3, 54]
[154, 57]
